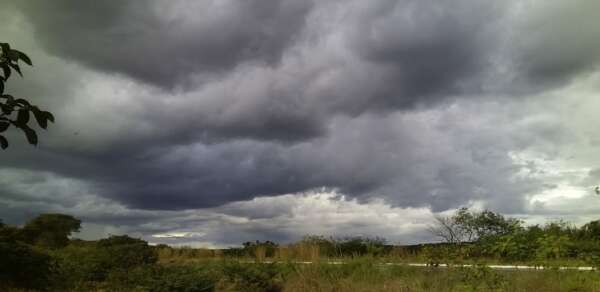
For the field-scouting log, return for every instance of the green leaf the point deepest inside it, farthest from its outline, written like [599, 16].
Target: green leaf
[30, 134]
[4, 126]
[9, 97]
[22, 117]
[13, 55]
[16, 67]
[6, 70]
[22, 102]
[24, 58]
[5, 47]
[49, 116]
[40, 117]
[6, 109]
[3, 142]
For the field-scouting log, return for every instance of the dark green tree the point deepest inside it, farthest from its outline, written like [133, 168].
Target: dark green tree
[50, 230]
[96, 261]
[470, 226]
[8, 233]
[590, 231]
[22, 266]
[17, 112]
[126, 252]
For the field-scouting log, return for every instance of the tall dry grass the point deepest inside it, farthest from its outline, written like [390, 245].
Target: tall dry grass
[186, 254]
[363, 275]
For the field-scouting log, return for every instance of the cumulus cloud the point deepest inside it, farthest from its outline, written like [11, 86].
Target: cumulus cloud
[314, 213]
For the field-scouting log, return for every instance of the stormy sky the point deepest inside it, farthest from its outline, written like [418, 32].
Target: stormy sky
[210, 123]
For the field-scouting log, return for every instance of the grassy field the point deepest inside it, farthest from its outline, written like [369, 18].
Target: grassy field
[360, 274]
[365, 275]
[126, 264]
[283, 272]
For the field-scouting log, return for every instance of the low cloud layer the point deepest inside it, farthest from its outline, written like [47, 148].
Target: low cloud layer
[213, 105]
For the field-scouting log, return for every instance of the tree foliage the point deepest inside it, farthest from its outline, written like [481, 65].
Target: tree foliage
[50, 230]
[17, 112]
[469, 226]
[95, 261]
[23, 266]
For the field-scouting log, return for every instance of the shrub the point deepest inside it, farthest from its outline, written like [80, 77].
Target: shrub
[253, 277]
[259, 249]
[482, 278]
[23, 266]
[552, 246]
[50, 230]
[590, 231]
[358, 246]
[93, 261]
[516, 246]
[163, 278]
[125, 252]
[326, 246]
[434, 255]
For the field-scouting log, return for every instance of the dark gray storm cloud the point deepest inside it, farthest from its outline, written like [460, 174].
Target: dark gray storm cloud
[563, 40]
[419, 103]
[406, 51]
[425, 49]
[408, 159]
[313, 60]
[163, 43]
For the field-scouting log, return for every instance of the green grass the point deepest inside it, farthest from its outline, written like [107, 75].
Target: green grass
[365, 274]
[356, 274]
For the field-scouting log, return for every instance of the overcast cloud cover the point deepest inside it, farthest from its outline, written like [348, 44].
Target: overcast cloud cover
[216, 122]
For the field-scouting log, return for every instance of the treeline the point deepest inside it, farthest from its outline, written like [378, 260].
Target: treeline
[312, 247]
[39, 255]
[485, 234]
[465, 236]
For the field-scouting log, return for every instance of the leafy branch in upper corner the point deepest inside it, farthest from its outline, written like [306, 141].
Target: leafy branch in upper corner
[17, 111]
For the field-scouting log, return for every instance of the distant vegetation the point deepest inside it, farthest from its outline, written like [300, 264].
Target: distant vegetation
[40, 256]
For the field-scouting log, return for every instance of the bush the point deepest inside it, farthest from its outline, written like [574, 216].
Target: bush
[253, 277]
[50, 230]
[163, 278]
[259, 249]
[551, 246]
[482, 278]
[93, 261]
[23, 266]
[359, 246]
[520, 245]
[125, 252]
